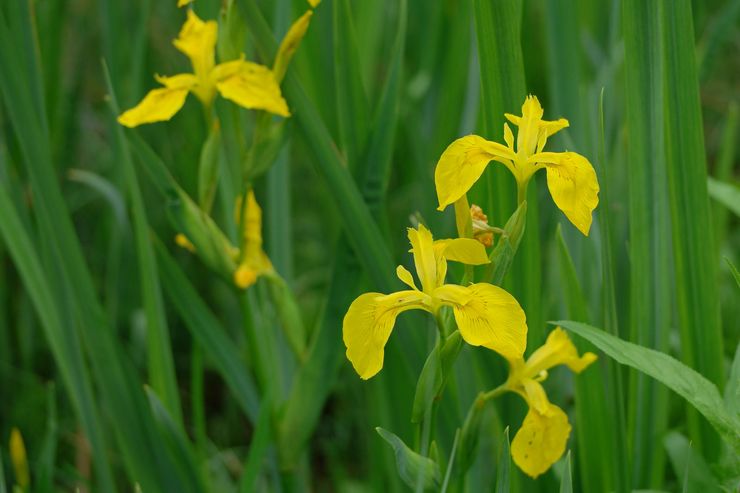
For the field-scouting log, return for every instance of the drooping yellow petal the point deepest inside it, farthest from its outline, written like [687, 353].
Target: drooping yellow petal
[19, 459]
[405, 276]
[557, 350]
[197, 40]
[157, 106]
[289, 44]
[573, 185]
[462, 163]
[488, 316]
[250, 85]
[464, 250]
[541, 440]
[422, 247]
[535, 395]
[368, 325]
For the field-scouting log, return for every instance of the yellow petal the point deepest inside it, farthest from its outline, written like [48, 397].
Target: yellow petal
[535, 395]
[250, 85]
[557, 350]
[197, 40]
[179, 81]
[508, 136]
[368, 325]
[183, 242]
[462, 163]
[487, 316]
[422, 247]
[573, 185]
[405, 276]
[464, 250]
[159, 105]
[254, 262]
[182, 3]
[541, 440]
[290, 44]
[547, 129]
[529, 125]
[314, 3]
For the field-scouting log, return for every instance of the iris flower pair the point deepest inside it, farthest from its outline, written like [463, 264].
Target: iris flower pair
[570, 177]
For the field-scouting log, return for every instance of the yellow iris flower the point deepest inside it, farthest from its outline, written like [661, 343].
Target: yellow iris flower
[253, 262]
[486, 315]
[541, 440]
[247, 84]
[570, 176]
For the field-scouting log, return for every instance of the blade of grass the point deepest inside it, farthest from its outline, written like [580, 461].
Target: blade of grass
[159, 351]
[694, 254]
[597, 470]
[650, 229]
[208, 332]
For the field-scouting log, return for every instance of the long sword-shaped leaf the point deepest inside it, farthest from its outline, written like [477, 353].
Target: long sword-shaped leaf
[686, 382]
[650, 278]
[208, 332]
[694, 255]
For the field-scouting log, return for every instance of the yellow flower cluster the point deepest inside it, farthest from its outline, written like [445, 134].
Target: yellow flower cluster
[487, 315]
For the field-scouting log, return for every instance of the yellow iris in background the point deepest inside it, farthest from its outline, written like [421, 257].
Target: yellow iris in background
[253, 261]
[570, 177]
[247, 84]
[486, 315]
[541, 440]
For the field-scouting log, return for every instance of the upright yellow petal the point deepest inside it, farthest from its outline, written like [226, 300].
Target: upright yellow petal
[290, 44]
[573, 185]
[488, 316]
[541, 440]
[422, 247]
[197, 40]
[368, 325]
[250, 85]
[547, 129]
[529, 126]
[462, 163]
[557, 350]
[254, 262]
[159, 105]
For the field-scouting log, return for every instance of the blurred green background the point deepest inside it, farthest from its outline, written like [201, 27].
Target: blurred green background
[391, 85]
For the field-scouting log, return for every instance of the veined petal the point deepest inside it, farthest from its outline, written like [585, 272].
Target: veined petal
[529, 125]
[405, 276]
[573, 185]
[541, 440]
[368, 325]
[422, 247]
[462, 163]
[290, 43]
[250, 85]
[488, 316]
[197, 40]
[464, 250]
[557, 350]
[158, 105]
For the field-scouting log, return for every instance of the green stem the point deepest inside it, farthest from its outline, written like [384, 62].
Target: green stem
[197, 403]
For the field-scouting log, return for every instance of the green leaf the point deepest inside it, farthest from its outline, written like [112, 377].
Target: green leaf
[566, 482]
[434, 374]
[503, 466]
[686, 382]
[413, 468]
[726, 194]
[503, 253]
[209, 333]
[209, 167]
[689, 465]
[258, 447]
